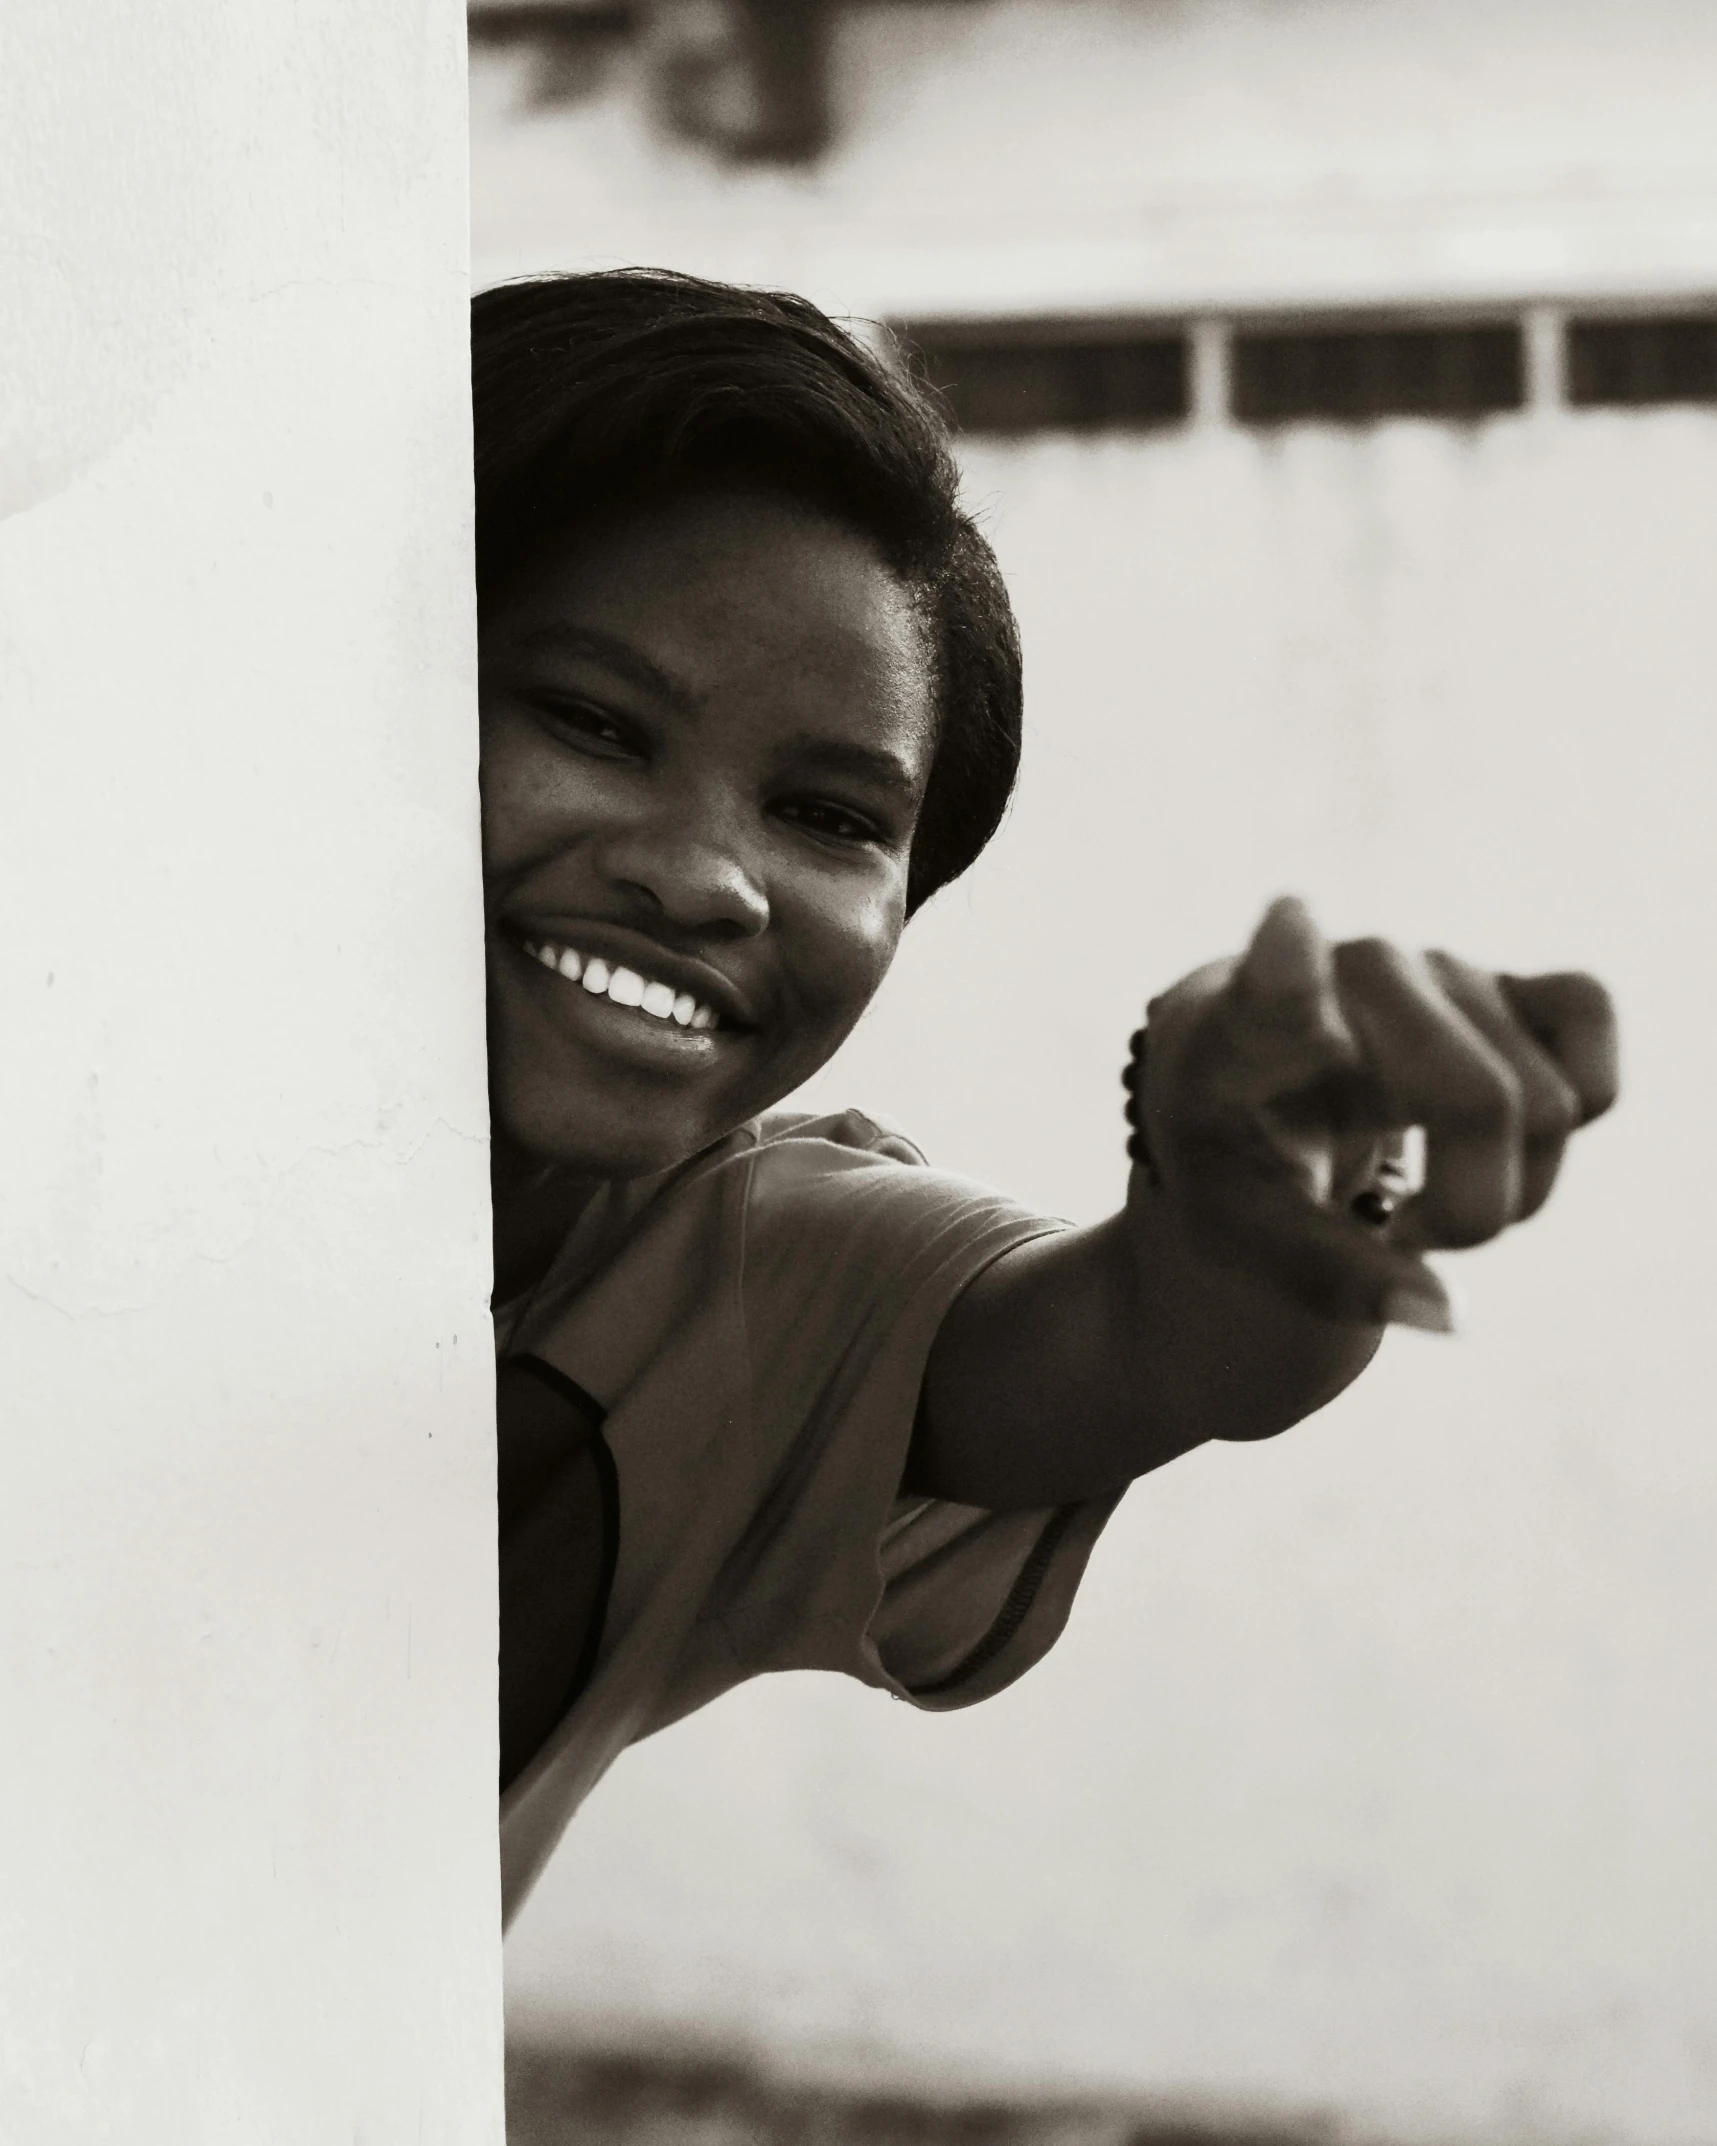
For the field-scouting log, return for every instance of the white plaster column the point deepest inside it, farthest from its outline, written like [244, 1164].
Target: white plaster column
[248, 1882]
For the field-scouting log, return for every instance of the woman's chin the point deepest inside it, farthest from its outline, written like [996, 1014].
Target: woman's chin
[597, 1144]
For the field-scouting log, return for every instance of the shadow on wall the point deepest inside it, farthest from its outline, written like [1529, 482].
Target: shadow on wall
[578, 2097]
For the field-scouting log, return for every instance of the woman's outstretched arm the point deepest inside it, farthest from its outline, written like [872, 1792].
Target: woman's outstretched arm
[1240, 1288]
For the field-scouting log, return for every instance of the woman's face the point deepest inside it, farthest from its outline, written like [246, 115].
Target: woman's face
[706, 730]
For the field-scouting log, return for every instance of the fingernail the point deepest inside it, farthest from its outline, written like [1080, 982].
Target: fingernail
[1422, 1305]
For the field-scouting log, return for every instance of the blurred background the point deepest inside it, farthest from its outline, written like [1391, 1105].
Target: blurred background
[1338, 382]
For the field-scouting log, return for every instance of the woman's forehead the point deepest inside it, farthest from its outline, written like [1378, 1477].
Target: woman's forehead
[733, 607]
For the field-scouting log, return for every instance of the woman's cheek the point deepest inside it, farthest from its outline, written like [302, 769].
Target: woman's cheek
[859, 943]
[533, 802]
[506, 789]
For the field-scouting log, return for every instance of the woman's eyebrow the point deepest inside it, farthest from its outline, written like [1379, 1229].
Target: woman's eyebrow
[614, 655]
[845, 756]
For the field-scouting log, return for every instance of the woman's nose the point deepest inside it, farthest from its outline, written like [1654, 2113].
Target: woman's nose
[693, 871]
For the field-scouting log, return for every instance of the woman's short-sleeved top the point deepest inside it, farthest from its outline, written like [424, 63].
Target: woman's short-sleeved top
[747, 1337]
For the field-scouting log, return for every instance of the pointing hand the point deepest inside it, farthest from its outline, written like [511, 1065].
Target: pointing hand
[1279, 1089]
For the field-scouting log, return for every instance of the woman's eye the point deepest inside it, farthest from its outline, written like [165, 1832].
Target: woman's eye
[593, 728]
[837, 823]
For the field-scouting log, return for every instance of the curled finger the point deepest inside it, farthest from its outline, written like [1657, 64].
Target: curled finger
[1550, 1104]
[1437, 1069]
[1573, 1018]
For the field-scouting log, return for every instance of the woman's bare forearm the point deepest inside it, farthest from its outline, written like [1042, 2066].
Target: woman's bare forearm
[1247, 1280]
[1085, 1359]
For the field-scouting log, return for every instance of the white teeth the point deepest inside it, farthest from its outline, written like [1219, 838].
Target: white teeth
[622, 986]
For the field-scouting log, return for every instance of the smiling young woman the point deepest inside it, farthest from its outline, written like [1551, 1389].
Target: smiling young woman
[706, 731]
[773, 1393]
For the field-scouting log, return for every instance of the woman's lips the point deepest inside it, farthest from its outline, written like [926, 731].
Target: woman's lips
[667, 985]
[618, 1029]
[623, 986]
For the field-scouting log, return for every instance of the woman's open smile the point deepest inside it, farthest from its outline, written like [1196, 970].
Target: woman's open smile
[706, 730]
[626, 994]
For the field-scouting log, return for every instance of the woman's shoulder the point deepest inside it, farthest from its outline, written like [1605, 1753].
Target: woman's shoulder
[855, 1132]
[844, 1228]
[827, 1189]
[856, 1187]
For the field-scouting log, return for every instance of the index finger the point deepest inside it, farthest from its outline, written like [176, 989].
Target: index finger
[1283, 1004]
[1267, 1054]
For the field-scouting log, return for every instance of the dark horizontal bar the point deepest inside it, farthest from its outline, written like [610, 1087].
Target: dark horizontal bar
[1046, 376]
[1672, 358]
[1357, 375]
[550, 21]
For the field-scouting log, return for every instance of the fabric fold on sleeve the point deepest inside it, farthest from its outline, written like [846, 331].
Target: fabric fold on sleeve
[946, 1570]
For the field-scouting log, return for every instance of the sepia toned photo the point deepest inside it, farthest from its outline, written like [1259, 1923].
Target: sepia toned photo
[855, 1263]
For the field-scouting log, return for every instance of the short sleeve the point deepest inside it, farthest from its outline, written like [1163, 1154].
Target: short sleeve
[971, 1599]
[854, 1252]
[753, 1333]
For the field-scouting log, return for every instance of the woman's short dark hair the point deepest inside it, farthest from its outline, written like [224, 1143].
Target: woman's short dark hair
[594, 392]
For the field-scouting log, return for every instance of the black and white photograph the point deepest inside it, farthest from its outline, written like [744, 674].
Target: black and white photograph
[854, 1269]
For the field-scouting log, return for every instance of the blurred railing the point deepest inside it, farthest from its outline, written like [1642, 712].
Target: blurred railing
[1106, 375]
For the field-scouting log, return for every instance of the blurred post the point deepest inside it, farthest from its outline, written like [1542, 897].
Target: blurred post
[1208, 350]
[1546, 335]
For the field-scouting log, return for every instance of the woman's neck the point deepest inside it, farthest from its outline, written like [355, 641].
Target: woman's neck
[535, 1204]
